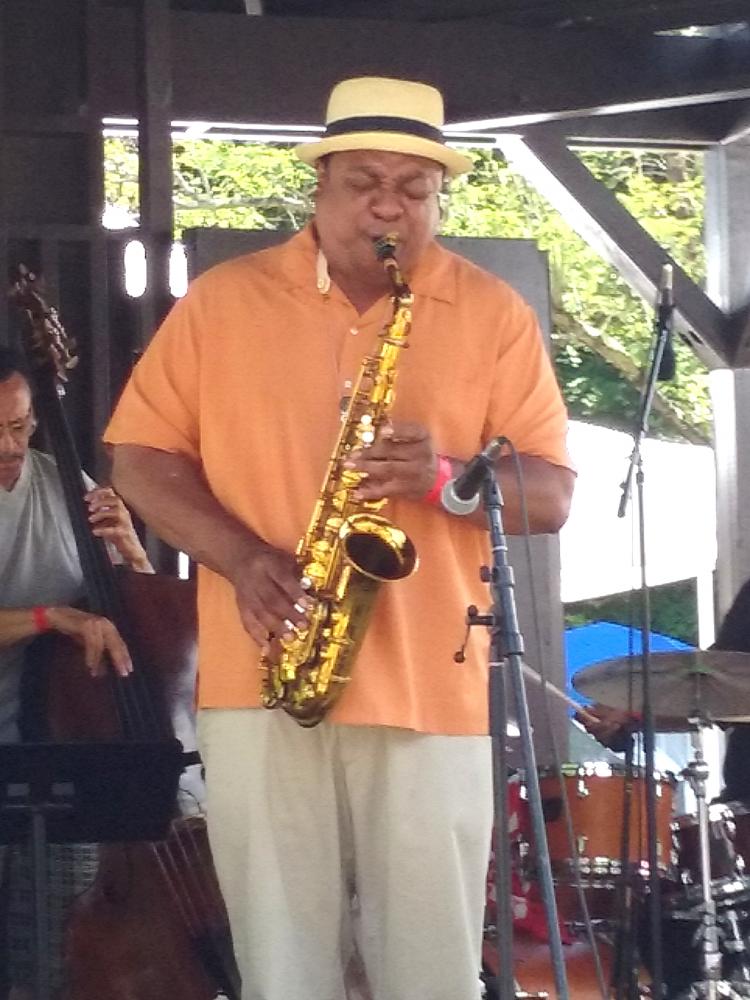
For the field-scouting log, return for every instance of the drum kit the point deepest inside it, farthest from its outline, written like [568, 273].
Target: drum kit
[703, 859]
[693, 691]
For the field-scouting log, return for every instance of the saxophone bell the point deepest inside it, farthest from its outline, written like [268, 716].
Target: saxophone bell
[377, 549]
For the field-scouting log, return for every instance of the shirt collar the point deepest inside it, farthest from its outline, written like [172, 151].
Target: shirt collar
[434, 277]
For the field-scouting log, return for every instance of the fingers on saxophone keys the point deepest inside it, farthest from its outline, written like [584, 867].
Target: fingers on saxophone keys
[291, 628]
[265, 645]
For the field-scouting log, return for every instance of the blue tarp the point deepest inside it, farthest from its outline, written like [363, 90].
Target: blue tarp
[597, 641]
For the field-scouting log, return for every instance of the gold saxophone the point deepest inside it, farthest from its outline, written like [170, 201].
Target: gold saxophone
[348, 549]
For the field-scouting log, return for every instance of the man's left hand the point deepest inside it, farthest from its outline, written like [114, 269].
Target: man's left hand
[400, 462]
[110, 520]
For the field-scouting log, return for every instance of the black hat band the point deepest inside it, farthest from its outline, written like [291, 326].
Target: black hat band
[384, 123]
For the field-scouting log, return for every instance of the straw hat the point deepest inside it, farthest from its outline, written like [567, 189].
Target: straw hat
[398, 116]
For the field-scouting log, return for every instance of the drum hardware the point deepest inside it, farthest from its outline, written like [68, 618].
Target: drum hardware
[730, 886]
[689, 691]
[726, 893]
[725, 862]
[598, 808]
[734, 946]
[707, 935]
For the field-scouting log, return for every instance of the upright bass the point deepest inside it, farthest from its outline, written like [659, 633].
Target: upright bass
[153, 923]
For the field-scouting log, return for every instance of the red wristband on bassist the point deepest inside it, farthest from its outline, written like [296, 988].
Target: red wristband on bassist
[41, 621]
[443, 474]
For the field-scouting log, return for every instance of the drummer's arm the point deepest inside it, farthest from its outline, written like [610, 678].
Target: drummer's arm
[612, 727]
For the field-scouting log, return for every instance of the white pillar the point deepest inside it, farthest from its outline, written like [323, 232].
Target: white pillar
[728, 283]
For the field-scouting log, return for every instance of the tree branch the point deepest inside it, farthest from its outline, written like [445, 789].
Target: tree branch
[578, 332]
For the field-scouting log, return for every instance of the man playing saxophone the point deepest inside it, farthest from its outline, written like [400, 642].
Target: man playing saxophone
[369, 831]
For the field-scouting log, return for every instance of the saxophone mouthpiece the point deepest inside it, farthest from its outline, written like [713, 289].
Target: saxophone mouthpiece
[385, 246]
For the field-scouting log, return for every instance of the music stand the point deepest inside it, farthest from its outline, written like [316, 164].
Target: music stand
[58, 793]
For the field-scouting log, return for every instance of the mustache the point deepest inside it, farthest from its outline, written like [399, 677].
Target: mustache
[11, 456]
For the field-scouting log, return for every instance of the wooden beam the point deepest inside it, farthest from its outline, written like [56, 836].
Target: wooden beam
[641, 15]
[4, 261]
[155, 172]
[100, 339]
[155, 182]
[259, 69]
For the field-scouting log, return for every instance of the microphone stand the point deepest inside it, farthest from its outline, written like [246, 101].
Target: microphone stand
[635, 467]
[506, 646]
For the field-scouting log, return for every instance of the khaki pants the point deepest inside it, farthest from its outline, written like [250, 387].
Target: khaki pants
[338, 835]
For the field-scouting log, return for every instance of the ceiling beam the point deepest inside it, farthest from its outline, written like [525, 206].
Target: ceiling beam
[599, 218]
[641, 15]
[259, 68]
[588, 73]
[689, 127]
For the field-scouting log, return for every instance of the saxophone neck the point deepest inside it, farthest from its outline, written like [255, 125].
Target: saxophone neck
[401, 291]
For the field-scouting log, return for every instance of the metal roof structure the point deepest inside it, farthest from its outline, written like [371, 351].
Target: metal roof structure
[531, 77]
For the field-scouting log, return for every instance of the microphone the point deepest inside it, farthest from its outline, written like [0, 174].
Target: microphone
[461, 494]
[664, 310]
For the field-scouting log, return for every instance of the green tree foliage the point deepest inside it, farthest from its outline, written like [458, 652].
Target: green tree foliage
[672, 610]
[221, 188]
[602, 332]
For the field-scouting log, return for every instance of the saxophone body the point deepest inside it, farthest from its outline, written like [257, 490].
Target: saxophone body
[349, 549]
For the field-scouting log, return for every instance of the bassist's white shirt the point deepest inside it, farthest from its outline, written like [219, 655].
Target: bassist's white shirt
[38, 563]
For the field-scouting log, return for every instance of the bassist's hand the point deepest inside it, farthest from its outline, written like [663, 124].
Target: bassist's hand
[98, 636]
[110, 519]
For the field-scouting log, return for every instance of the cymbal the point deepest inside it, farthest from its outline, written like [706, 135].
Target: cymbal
[710, 684]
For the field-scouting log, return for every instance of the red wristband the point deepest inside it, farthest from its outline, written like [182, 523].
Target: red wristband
[443, 474]
[41, 621]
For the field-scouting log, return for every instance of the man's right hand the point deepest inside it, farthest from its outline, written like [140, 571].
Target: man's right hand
[170, 492]
[97, 635]
[269, 594]
[610, 726]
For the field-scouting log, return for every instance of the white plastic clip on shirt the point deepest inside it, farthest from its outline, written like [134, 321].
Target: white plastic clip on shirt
[322, 277]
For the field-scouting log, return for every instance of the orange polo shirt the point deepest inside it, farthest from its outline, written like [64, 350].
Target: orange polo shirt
[246, 376]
